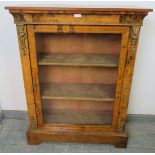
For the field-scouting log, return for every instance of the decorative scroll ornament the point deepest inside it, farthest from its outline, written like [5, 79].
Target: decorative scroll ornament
[134, 35]
[134, 38]
[21, 29]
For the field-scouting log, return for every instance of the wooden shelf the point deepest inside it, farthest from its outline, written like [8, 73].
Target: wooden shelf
[67, 59]
[79, 118]
[94, 92]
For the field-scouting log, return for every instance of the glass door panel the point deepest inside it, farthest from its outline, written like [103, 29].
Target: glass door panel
[78, 74]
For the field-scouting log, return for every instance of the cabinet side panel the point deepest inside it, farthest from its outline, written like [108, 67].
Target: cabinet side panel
[26, 68]
[132, 48]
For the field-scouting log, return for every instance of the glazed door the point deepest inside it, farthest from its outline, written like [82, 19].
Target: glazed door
[77, 73]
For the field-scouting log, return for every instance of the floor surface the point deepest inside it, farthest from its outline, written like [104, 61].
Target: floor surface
[13, 139]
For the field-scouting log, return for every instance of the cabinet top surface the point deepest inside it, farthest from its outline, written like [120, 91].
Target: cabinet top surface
[78, 9]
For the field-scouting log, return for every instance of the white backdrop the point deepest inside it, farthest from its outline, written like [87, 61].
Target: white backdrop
[12, 97]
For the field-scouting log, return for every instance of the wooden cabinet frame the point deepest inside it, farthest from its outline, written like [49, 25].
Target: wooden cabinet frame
[126, 22]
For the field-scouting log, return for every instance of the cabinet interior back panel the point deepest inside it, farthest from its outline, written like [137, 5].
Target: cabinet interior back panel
[78, 43]
[77, 112]
[63, 74]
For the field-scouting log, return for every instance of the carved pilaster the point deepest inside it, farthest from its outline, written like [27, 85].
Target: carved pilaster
[21, 30]
[134, 35]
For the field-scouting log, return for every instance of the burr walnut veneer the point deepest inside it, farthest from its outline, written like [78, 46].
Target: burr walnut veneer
[77, 68]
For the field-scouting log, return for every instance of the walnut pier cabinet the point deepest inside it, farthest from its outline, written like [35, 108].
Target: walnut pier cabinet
[77, 67]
